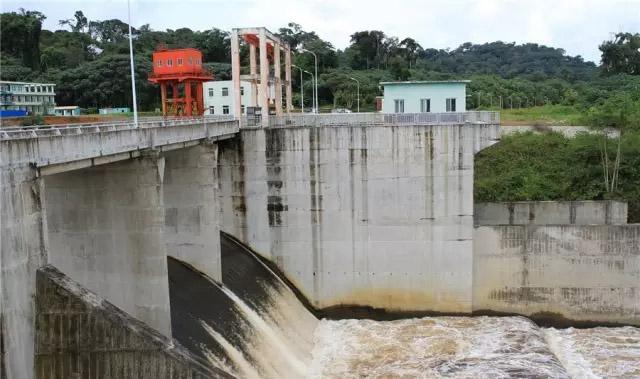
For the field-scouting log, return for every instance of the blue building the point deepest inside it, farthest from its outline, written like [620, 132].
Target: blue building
[424, 96]
[114, 110]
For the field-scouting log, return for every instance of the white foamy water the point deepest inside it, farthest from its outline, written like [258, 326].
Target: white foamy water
[471, 347]
[597, 352]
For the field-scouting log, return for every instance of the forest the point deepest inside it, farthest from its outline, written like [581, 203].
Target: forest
[88, 60]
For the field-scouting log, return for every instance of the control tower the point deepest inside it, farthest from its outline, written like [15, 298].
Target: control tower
[181, 71]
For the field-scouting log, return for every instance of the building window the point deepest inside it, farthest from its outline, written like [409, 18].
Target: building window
[179, 61]
[425, 105]
[241, 91]
[398, 105]
[212, 110]
[225, 91]
[242, 109]
[225, 109]
[210, 92]
[190, 61]
[169, 62]
[451, 105]
[160, 63]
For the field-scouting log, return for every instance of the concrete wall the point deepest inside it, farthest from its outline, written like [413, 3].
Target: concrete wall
[80, 335]
[376, 216]
[22, 250]
[192, 211]
[588, 273]
[551, 212]
[105, 228]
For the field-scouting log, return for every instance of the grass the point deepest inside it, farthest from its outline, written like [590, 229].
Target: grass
[542, 115]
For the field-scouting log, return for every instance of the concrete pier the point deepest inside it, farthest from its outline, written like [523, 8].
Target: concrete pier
[23, 250]
[192, 209]
[105, 228]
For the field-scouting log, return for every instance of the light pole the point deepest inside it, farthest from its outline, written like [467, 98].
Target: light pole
[315, 57]
[356, 80]
[479, 92]
[301, 89]
[315, 100]
[133, 77]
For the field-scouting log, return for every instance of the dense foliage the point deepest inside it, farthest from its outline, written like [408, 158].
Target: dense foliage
[88, 53]
[552, 167]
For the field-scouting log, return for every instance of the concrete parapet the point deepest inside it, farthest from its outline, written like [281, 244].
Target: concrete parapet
[192, 231]
[80, 335]
[603, 212]
[105, 229]
[578, 272]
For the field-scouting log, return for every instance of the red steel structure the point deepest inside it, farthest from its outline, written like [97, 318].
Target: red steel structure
[181, 71]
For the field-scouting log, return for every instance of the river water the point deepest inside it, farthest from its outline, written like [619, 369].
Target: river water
[471, 347]
[258, 329]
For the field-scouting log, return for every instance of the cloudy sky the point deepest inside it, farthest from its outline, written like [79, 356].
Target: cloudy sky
[574, 25]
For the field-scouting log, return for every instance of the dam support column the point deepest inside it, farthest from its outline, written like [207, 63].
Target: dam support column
[106, 232]
[22, 251]
[192, 231]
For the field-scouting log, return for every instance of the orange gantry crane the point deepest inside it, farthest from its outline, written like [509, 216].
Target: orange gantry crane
[181, 72]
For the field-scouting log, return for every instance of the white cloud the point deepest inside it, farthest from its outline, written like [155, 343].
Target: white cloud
[574, 25]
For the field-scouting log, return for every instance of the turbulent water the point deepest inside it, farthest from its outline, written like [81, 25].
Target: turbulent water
[253, 326]
[471, 347]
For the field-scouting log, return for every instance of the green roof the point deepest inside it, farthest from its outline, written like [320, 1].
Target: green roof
[426, 82]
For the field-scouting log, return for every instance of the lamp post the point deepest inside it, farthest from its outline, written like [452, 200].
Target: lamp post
[301, 89]
[133, 77]
[358, 92]
[315, 99]
[315, 57]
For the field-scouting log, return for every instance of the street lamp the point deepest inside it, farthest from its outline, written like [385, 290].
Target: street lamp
[315, 99]
[133, 78]
[315, 57]
[301, 89]
[356, 80]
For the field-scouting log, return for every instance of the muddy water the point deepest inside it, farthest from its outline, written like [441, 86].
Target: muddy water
[465, 347]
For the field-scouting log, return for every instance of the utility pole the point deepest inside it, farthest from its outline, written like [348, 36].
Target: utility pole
[315, 57]
[356, 80]
[301, 89]
[133, 77]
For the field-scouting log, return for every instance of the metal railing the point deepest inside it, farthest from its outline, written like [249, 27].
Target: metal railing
[36, 131]
[384, 119]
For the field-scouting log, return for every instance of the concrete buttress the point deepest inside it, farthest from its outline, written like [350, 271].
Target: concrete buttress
[106, 228]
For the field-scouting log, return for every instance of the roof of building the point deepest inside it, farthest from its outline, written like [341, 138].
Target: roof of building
[67, 107]
[426, 82]
[10, 82]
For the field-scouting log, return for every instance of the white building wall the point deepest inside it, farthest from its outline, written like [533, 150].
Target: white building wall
[411, 93]
[37, 98]
[213, 96]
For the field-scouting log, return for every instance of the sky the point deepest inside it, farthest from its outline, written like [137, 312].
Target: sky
[576, 26]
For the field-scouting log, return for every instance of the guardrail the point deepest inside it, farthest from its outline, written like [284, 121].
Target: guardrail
[37, 131]
[384, 119]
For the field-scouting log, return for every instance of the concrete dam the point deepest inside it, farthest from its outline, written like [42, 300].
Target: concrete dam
[323, 247]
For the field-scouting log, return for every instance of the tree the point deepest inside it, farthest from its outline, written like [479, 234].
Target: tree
[622, 54]
[80, 24]
[412, 50]
[368, 47]
[20, 36]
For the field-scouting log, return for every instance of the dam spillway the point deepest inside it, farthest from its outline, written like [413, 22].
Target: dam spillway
[258, 328]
